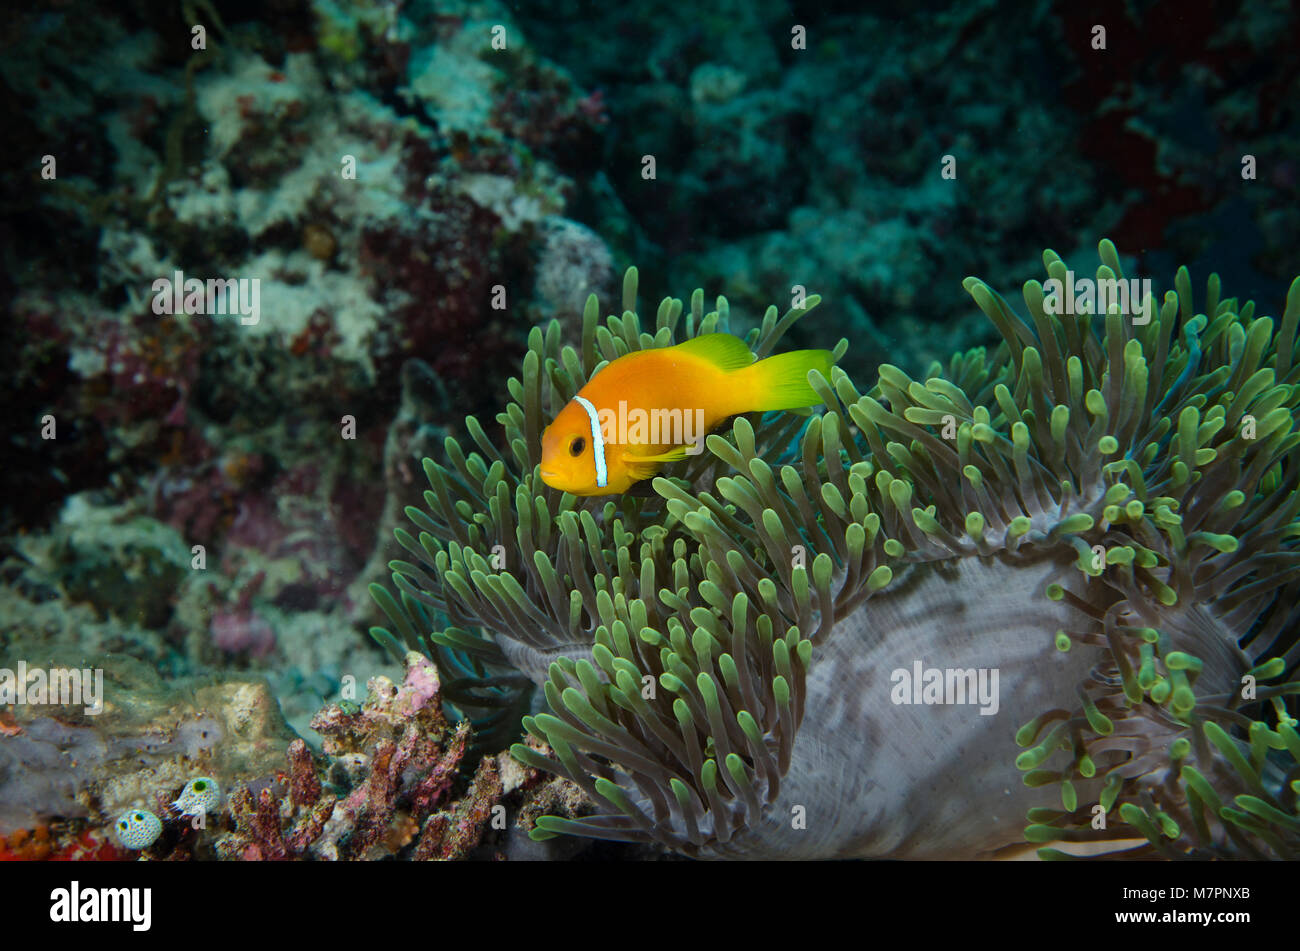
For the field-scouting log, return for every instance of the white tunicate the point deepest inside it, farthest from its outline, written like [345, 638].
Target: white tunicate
[201, 795]
[137, 828]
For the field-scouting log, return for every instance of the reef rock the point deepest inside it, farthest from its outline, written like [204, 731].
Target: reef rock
[148, 738]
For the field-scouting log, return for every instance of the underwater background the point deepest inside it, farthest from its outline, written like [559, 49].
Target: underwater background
[198, 504]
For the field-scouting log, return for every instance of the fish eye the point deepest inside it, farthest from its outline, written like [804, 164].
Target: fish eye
[576, 447]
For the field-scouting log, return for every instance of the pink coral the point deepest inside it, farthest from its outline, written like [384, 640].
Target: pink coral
[405, 759]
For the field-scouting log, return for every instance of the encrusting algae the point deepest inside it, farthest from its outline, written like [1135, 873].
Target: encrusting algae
[1097, 521]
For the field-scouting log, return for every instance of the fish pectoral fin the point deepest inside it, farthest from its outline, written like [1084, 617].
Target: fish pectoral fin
[643, 467]
[676, 454]
[641, 470]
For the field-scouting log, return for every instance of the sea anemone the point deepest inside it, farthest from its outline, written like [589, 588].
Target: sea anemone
[1097, 521]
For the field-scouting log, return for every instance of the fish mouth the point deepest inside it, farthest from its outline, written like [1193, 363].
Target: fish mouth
[550, 474]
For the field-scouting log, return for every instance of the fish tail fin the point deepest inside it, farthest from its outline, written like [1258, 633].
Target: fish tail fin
[781, 381]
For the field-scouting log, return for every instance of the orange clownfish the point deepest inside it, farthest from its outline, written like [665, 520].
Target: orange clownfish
[653, 407]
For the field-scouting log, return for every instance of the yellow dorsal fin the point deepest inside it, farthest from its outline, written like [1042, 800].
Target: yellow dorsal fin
[725, 351]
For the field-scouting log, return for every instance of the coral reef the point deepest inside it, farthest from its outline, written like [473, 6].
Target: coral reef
[378, 171]
[387, 785]
[817, 160]
[394, 778]
[63, 762]
[40, 844]
[1102, 511]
